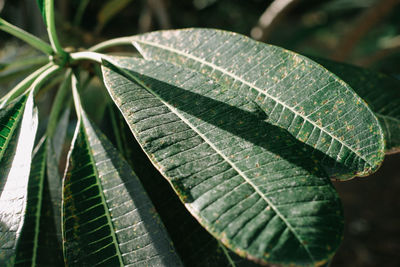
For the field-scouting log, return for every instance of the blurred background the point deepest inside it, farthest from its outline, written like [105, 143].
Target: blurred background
[360, 32]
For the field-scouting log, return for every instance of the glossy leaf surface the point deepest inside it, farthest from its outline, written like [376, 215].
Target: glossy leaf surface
[107, 216]
[294, 92]
[249, 183]
[18, 130]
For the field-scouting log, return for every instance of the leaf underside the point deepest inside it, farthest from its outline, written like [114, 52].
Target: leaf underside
[18, 130]
[294, 92]
[249, 183]
[107, 217]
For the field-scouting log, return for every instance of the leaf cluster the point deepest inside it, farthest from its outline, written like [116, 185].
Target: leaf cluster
[248, 136]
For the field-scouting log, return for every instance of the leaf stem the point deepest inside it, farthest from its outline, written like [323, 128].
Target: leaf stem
[43, 77]
[26, 37]
[113, 42]
[51, 29]
[23, 85]
[77, 100]
[41, 60]
[87, 55]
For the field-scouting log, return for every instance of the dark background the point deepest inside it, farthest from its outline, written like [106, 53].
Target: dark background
[361, 32]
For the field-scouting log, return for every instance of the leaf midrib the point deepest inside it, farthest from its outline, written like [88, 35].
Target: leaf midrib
[175, 111]
[252, 86]
[98, 183]
[39, 207]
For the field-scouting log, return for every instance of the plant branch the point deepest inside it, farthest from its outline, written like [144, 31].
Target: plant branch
[270, 18]
[26, 37]
[365, 22]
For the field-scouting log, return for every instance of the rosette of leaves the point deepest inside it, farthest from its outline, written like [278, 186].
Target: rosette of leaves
[247, 135]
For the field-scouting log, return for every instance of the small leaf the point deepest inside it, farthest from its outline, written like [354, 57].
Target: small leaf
[295, 93]
[17, 138]
[249, 183]
[107, 216]
[380, 91]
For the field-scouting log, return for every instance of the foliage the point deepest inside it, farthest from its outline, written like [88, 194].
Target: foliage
[248, 135]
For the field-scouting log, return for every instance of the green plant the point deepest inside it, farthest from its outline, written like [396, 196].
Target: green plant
[247, 134]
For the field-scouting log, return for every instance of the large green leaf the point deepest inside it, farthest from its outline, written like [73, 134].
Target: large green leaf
[107, 216]
[296, 93]
[196, 247]
[380, 91]
[18, 130]
[249, 183]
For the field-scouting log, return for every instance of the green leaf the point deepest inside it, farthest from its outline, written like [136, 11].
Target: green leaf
[28, 243]
[38, 237]
[10, 116]
[107, 216]
[41, 232]
[391, 128]
[380, 91]
[17, 139]
[196, 247]
[249, 183]
[296, 93]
